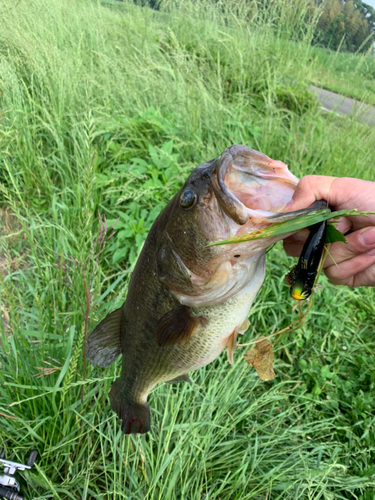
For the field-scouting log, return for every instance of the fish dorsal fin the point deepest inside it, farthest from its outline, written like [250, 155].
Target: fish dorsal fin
[181, 378]
[103, 345]
[176, 326]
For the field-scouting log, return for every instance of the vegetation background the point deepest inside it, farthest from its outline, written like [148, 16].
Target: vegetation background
[105, 108]
[346, 25]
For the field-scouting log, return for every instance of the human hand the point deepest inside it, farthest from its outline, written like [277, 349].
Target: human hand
[352, 264]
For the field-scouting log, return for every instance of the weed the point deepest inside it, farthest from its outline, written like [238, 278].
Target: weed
[108, 106]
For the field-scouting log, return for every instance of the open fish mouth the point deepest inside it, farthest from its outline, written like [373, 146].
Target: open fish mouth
[250, 186]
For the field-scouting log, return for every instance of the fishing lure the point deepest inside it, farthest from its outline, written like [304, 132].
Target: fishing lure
[302, 278]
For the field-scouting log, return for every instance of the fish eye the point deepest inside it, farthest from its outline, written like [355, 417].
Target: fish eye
[188, 198]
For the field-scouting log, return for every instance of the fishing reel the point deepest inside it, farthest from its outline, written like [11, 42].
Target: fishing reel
[9, 486]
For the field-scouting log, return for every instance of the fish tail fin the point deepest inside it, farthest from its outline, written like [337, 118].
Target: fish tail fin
[135, 416]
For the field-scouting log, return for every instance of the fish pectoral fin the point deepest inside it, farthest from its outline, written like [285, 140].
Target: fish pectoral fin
[177, 326]
[103, 345]
[181, 378]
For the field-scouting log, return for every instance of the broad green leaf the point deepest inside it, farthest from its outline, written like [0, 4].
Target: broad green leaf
[168, 147]
[119, 255]
[334, 234]
[126, 233]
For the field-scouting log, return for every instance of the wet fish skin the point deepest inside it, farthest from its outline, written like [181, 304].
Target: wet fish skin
[187, 301]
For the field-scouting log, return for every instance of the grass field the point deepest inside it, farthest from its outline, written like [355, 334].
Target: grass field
[352, 75]
[107, 108]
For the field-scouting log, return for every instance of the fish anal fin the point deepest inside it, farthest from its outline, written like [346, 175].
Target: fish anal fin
[177, 326]
[103, 344]
[231, 345]
[181, 378]
[232, 339]
[245, 325]
[135, 416]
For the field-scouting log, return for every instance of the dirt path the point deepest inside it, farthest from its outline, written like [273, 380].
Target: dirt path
[344, 105]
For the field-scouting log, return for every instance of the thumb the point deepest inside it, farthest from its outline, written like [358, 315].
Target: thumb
[309, 189]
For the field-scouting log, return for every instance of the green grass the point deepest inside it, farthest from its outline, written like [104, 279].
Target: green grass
[107, 107]
[352, 75]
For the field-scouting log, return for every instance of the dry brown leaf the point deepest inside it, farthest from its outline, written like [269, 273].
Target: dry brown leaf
[261, 358]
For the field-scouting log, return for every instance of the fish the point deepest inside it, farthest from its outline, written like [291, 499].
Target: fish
[188, 301]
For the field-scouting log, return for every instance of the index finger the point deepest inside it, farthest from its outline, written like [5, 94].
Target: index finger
[340, 193]
[309, 189]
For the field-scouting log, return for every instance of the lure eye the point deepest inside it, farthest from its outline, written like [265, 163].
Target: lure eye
[188, 198]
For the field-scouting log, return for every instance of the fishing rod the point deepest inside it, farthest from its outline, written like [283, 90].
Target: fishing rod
[9, 486]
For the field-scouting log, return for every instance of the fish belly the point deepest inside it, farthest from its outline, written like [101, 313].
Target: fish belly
[223, 319]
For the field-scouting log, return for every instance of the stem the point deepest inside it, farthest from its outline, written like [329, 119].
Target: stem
[88, 303]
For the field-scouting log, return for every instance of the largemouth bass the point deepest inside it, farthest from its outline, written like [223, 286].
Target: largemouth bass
[187, 301]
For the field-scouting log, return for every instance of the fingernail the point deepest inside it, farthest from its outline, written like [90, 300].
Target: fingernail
[368, 237]
[371, 252]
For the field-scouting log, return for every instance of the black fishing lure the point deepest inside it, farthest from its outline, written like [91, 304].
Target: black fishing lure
[302, 278]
